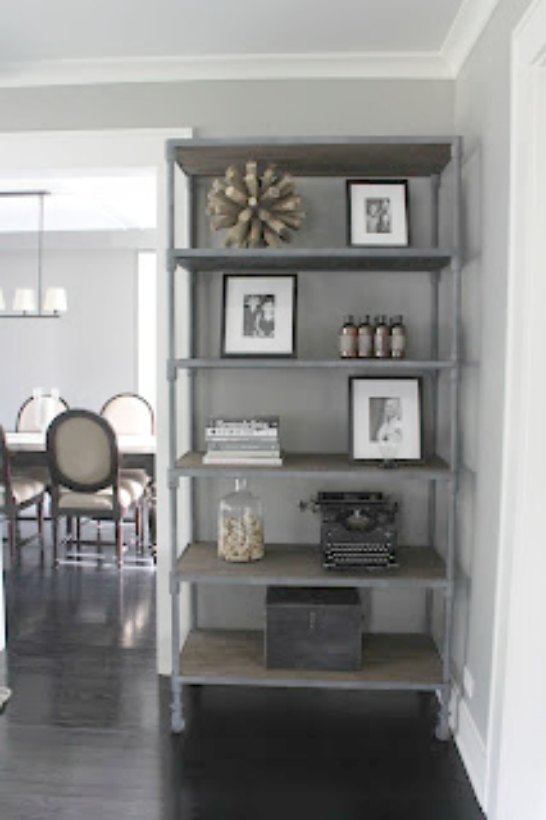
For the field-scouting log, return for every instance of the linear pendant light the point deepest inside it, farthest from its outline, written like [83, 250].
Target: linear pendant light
[27, 304]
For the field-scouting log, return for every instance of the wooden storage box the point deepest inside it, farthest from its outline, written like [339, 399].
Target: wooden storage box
[313, 628]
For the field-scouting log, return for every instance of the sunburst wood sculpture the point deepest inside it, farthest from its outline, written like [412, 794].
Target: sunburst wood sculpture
[257, 210]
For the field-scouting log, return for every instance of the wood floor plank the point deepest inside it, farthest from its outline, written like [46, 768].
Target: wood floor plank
[86, 735]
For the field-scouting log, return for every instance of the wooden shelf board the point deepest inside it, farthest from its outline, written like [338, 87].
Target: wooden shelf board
[362, 157]
[249, 363]
[317, 465]
[229, 657]
[404, 260]
[300, 565]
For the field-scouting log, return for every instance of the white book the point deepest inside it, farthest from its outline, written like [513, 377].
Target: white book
[265, 461]
[243, 432]
[250, 454]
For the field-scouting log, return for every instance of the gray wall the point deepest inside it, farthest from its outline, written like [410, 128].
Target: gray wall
[239, 107]
[90, 353]
[313, 405]
[482, 116]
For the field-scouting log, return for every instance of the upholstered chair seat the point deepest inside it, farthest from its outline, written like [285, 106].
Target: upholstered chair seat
[23, 489]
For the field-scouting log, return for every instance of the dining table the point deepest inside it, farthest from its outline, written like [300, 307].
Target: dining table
[29, 449]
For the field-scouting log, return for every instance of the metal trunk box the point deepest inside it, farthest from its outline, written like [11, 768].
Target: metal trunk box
[313, 628]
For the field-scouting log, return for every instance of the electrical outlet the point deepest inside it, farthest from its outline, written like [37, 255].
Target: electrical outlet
[468, 683]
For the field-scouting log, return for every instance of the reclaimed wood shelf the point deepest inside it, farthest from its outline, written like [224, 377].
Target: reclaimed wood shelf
[374, 365]
[313, 260]
[329, 156]
[300, 565]
[317, 465]
[233, 657]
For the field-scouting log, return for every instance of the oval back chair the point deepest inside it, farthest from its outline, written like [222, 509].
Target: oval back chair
[85, 479]
[129, 414]
[29, 415]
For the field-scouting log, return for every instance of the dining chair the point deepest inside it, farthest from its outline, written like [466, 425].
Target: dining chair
[131, 414]
[83, 461]
[28, 417]
[18, 490]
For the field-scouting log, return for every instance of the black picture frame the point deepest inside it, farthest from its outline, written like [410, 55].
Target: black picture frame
[239, 339]
[363, 445]
[398, 234]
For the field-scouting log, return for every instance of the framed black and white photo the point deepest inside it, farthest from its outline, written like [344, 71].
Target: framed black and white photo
[259, 315]
[385, 419]
[378, 212]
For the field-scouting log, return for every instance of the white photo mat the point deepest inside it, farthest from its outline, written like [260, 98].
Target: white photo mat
[364, 196]
[366, 396]
[281, 338]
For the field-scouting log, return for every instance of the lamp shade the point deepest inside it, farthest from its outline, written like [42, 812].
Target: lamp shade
[2, 300]
[24, 300]
[55, 300]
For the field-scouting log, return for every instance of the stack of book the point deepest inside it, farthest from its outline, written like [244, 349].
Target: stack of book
[252, 441]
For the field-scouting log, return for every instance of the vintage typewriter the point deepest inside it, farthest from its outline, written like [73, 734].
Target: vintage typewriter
[357, 529]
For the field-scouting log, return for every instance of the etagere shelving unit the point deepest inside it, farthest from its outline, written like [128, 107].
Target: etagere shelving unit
[419, 662]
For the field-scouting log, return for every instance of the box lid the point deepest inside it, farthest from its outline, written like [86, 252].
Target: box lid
[313, 596]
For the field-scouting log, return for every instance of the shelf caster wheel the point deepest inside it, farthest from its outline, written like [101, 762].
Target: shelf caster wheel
[5, 695]
[178, 724]
[442, 731]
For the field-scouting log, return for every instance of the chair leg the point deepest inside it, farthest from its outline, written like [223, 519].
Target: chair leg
[12, 537]
[119, 543]
[55, 534]
[40, 515]
[78, 534]
[145, 524]
[152, 519]
[139, 527]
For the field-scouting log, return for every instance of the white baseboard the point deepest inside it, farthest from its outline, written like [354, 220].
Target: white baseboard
[469, 743]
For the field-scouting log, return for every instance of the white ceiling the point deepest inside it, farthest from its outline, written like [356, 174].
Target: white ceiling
[107, 202]
[61, 40]
[89, 29]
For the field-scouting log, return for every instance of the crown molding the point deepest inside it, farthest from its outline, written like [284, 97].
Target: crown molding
[469, 22]
[395, 65]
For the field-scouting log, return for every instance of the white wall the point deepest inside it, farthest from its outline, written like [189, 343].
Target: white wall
[90, 353]
[482, 116]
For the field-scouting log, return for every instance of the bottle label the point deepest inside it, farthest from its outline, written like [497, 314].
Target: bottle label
[365, 344]
[398, 343]
[382, 343]
[347, 345]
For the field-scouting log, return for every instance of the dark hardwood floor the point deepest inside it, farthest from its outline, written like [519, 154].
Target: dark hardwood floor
[86, 734]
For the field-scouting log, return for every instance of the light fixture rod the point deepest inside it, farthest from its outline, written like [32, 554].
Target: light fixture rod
[25, 193]
[40, 249]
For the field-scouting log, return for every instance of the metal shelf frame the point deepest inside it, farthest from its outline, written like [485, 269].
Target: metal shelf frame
[328, 157]
[371, 365]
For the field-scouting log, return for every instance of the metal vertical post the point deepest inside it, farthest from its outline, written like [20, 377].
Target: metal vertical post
[192, 375]
[442, 729]
[434, 354]
[177, 719]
